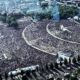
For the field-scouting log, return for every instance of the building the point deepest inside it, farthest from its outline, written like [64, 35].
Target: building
[66, 54]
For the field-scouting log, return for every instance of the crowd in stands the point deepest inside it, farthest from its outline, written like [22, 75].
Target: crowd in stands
[16, 48]
[23, 55]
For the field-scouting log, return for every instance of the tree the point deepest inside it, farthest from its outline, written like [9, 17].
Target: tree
[24, 77]
[37, 68]
[78, 71]
[11, 75]
[67, 76]
[22, 72]
[59, 78]
[47, 67]
[69, 60]
[28, 73]
[56, 65]
[78, 58]
[73, 77]
[51, 66]
[61, 63]
[65, 61]
[42, 69]
[34, 73]
[74, 60]
[17, 15]
[8, 20]
[4, 16]
[12, 22]
[0, 77]
[67, 11]
[6, 76]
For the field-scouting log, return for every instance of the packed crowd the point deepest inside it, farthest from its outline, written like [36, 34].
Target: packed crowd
[72, 32]
[15, 48]
[69, 38]
[68, 69]
[38, 36]
[19, 54]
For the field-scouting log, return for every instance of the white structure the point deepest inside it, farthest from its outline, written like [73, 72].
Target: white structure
[66, 54]
[64, 28]
[76, 18]
[15, 72]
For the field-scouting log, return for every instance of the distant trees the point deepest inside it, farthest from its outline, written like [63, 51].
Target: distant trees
[10, 19]
[67, 11]
[44, 15]
[64, 11]
[12, 22]
[16, 15]
[3, 17]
